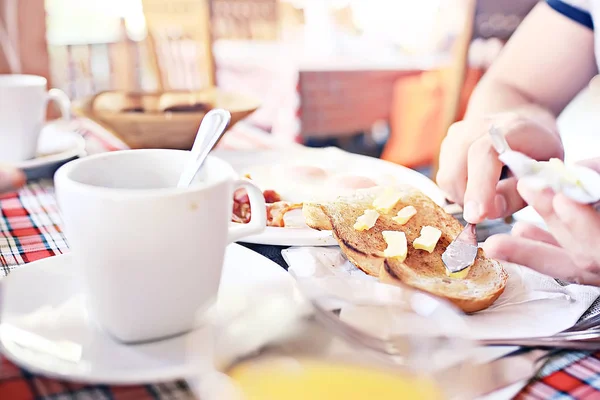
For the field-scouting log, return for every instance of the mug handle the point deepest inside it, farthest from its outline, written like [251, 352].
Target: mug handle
[62, 101]
[258, 207]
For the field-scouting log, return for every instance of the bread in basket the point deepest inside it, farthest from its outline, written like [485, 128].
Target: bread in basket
[160, 120]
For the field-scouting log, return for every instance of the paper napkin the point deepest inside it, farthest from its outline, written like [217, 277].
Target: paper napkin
[532, 304]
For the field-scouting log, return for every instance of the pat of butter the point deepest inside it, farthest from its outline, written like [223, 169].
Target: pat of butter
[428, 239]
[458, 275]
[405, 215]
[566, 176]
[387, 200]
[559, 169]
[396, 245]
[366, 221]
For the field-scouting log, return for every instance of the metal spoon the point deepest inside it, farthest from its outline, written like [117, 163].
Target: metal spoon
[210, 131]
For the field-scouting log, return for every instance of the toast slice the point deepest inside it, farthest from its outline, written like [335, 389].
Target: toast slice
[316, 215]
[422, 270]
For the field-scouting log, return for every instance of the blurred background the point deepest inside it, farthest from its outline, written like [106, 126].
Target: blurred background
[377, 77]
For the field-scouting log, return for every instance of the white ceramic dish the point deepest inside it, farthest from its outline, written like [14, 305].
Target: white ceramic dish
[58, 144]
[43, 298]
[327, 158]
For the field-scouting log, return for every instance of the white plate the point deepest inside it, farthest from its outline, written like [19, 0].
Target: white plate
[243, 161]
[58, 143]
[43, 298]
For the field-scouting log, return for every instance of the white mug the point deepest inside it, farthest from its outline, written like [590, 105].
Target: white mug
[150, 254]
[23, 103]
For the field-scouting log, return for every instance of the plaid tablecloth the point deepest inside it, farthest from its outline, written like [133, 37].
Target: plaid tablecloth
[30, 229]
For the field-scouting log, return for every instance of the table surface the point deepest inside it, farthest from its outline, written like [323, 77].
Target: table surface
[30, 229]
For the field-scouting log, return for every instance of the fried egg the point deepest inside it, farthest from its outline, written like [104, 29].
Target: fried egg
[304, 173]
[302, 182]
[351, 182]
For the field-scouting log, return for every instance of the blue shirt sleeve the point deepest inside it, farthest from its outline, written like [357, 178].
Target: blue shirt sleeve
[575, 10]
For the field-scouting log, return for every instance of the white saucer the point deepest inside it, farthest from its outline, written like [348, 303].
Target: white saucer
[58, 143]
[43, 298]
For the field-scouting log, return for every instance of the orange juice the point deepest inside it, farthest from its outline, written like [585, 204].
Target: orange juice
[276, 379]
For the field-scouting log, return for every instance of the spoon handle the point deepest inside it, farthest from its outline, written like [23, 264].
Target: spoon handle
[211, 128]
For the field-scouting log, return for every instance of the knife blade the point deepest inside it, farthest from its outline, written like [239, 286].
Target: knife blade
[461, 253]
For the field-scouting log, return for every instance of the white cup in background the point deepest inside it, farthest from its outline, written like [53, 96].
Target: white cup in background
[150, 254]
[23, 103]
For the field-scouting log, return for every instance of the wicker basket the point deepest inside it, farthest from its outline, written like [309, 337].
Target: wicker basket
[150, 120]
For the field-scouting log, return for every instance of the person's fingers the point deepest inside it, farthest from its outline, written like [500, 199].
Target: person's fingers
[467, 152]
[540, 200]
[539, 143]
[11, 179]
[452, 172]
[483, 168]
[507, 188]
[582, 225]
[481, 197]
[592, 163]
[576, 227]
[542, 257]
[530, 231]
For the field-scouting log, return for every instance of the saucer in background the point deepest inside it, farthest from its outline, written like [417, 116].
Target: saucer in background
[57, 145]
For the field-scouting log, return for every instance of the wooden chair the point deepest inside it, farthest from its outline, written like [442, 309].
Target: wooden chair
[85, 69]
[23, 37]
[424, 106]
[488, 19]
[455, 78]
[438, 98]
[245, 19]
[79, 70]
[180, 43]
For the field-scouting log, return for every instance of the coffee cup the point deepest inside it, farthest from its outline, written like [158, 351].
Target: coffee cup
[23, 104]
[150, 255]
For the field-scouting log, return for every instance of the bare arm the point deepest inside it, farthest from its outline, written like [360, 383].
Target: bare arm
[544, 65]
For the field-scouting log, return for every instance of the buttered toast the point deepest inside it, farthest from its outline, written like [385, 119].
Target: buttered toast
[367, 248]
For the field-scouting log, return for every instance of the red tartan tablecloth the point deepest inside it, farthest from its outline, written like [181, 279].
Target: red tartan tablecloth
[30, 229]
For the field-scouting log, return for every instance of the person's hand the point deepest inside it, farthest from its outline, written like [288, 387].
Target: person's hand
[469, 169]
[569, 251]
[11, 179]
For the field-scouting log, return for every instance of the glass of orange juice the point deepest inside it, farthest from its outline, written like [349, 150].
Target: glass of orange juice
[291, 346]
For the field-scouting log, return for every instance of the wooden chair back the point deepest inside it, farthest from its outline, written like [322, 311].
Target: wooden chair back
[180, 43]
[454, 77]
[486, 19]
[85, 69]
[425, 105]
[245, 19]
